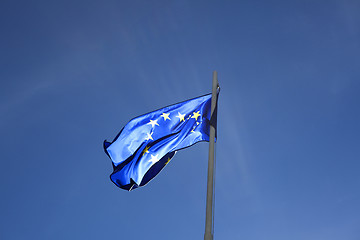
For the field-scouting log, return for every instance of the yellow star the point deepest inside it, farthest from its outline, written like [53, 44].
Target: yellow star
[196, 115]
[149, 136]
[168, 161]
[181, 116]
[154, 159]
[146, 150]
[153, 123]
[165, 116]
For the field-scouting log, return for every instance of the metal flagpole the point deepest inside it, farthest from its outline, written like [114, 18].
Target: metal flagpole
[210, 181]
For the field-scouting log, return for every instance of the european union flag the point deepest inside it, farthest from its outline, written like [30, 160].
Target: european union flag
[148, 142]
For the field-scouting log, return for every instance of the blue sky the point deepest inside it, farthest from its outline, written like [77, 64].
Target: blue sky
[73, 73]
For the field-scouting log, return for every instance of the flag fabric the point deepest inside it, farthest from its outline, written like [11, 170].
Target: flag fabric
[147, 143]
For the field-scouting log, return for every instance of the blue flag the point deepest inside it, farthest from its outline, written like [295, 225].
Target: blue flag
[148, 142]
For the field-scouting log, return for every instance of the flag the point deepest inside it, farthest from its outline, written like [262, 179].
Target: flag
[147, 143]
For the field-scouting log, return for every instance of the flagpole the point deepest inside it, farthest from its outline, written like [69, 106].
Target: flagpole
[210, 180]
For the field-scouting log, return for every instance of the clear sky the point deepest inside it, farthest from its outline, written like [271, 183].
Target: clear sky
[73, 73]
